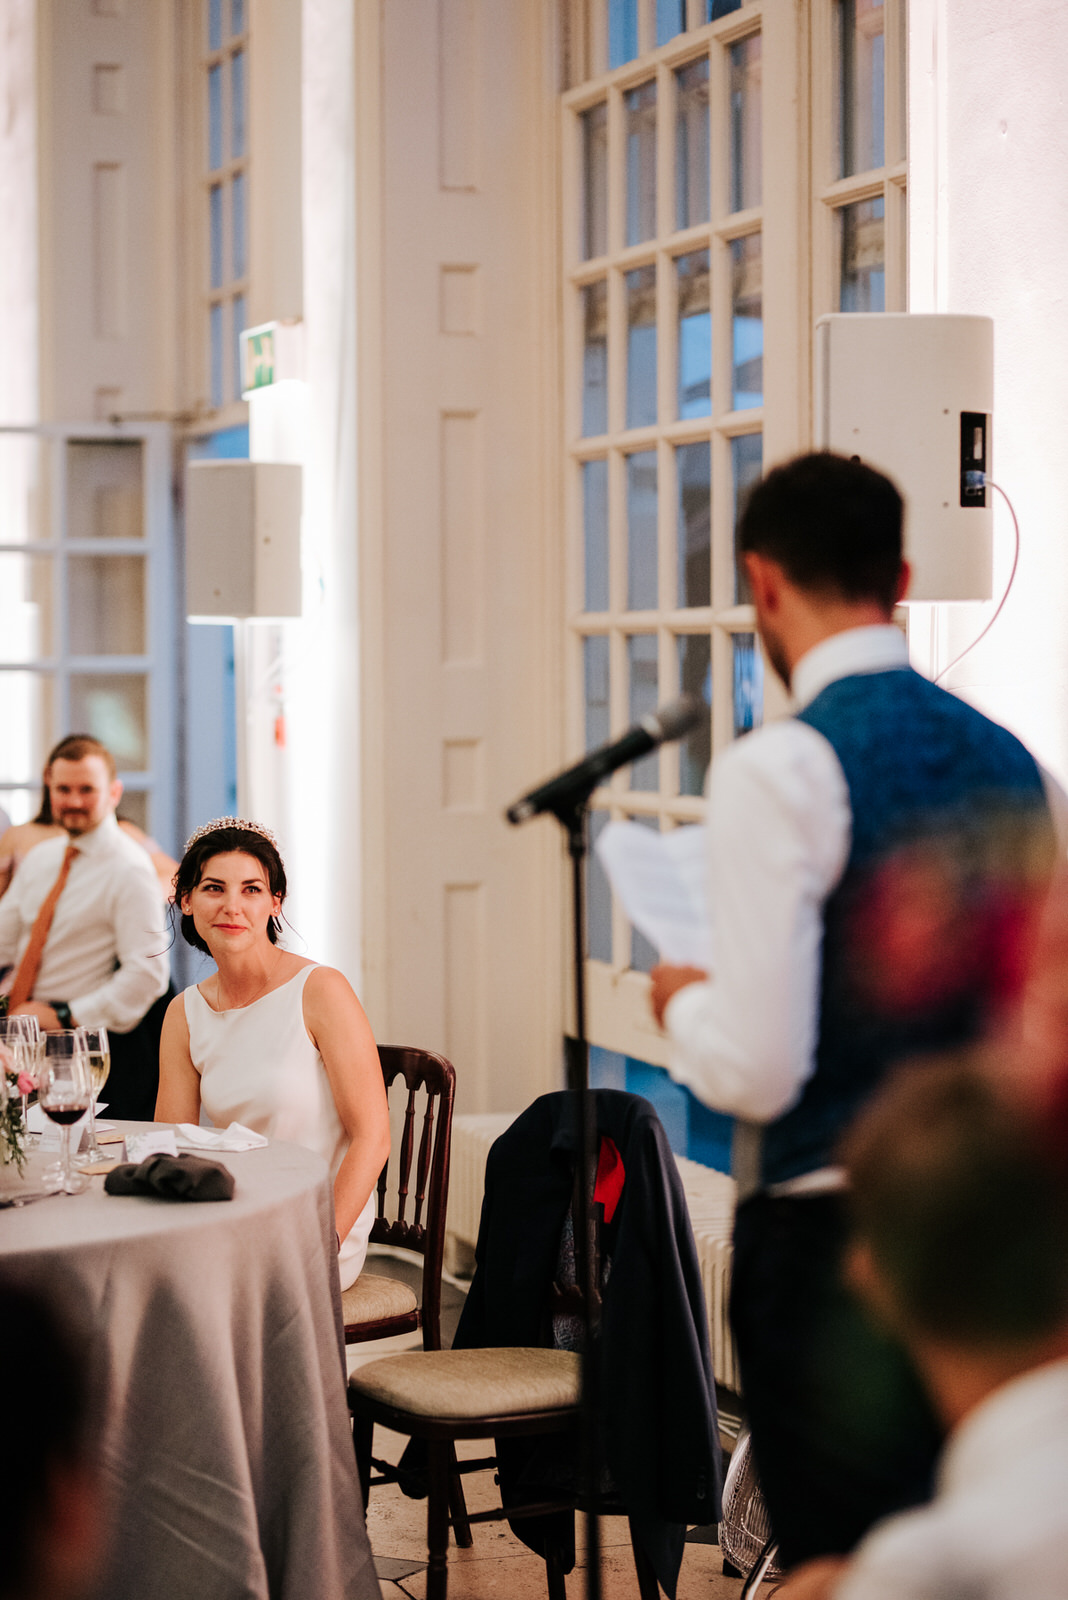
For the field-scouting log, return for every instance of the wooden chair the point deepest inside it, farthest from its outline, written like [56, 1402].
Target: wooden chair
[497, 1393]
[468, 1394]
[376, 1306]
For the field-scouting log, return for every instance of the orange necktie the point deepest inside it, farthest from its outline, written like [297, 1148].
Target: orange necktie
[26, 976]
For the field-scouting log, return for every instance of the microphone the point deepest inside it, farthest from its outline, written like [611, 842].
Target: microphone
[572, 786]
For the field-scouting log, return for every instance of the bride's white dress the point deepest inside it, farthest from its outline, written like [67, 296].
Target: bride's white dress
[258, 1066]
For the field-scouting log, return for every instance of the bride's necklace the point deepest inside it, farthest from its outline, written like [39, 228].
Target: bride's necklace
[264, 986]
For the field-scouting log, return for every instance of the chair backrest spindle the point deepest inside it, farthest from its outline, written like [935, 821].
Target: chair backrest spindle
[404, 1166]
[422, 1073]
[423, 1165]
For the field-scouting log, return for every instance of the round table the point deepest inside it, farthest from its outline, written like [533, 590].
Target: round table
[216, 1330]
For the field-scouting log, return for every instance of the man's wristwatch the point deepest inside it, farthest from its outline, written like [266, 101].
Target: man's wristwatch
[62, 1011]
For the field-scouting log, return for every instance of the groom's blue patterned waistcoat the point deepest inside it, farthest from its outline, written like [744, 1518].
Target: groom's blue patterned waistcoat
[924, 769]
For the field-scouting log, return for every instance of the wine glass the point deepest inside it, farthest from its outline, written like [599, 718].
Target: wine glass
[21, 1035]
[63, 1094]
[94, 1041]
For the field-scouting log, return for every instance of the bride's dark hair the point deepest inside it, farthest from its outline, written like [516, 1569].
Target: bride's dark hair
[219, 842]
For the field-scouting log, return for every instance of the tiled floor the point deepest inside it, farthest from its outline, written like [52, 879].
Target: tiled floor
[498, 1565]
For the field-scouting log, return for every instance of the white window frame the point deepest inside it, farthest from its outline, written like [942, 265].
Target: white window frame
[196, 179]
[618, 1011]
[887, 182]
[159, 780]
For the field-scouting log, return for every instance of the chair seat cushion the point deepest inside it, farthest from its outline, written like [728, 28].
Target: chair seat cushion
[372, 1297]
[468, 1384]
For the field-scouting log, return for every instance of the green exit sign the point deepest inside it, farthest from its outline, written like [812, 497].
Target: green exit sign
[271, 353]
[258, 357]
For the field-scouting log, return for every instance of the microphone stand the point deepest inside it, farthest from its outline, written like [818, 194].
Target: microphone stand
[567, 797]
[573, 818]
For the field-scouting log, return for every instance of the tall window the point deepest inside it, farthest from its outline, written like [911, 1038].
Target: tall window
[859, 155]
[732, 170]
[665, 369]
[225, 186]
[86, 610]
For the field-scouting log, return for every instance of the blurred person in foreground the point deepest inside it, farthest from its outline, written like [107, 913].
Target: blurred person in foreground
[877, 862]
[960, 1212]
[50, 1508]
[82, 928]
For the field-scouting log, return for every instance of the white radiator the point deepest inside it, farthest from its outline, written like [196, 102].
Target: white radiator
[709, 1195]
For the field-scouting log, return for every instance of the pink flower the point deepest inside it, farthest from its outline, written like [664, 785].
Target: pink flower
[25, 1083]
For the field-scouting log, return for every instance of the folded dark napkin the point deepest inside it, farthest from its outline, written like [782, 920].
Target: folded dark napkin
[173, 1178]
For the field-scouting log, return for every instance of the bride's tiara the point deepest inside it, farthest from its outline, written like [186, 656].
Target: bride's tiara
[217, 823]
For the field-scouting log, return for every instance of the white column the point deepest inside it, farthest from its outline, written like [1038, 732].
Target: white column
[325, 726]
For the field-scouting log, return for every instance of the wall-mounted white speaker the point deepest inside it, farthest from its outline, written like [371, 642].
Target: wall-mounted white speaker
[242, 539]
[913, 396]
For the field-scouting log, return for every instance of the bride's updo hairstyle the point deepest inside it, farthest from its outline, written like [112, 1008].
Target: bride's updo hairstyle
[219, 838]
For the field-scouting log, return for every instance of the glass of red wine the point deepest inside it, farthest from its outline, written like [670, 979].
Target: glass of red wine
[63, 1092]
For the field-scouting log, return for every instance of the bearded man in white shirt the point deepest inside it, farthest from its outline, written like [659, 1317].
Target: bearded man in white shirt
[871, 859]
[82, 929]
[960, 1215]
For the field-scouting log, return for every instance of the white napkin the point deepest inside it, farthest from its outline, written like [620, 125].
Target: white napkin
[235, 1137]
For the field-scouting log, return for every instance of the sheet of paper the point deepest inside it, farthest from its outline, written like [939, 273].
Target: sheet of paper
[659, 879]
[50, 1136]
[37, 1122]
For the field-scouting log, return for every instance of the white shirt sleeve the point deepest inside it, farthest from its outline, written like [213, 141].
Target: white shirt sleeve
[779, 834]
[926, 1554]
[10, 927]
[141, 942]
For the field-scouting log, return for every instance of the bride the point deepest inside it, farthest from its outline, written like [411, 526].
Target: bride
[271, 1039]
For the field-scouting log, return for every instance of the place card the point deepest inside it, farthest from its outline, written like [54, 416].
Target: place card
[139, 1146]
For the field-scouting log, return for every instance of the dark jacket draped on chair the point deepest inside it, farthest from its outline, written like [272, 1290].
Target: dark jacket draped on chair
[659, 1426]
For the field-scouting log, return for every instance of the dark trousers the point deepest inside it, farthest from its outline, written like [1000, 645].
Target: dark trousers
[842, 1432]
[133, 1083]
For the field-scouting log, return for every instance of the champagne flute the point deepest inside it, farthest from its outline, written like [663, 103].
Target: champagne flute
[94, 1041]
[34, 1055]
[28, 1057]
[63, 1094]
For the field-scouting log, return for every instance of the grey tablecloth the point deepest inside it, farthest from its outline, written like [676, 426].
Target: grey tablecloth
[226, 1448]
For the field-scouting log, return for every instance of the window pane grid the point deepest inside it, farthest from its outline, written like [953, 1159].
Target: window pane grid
[860, 209]
[665, 395]
[86, 665]
[225, 205]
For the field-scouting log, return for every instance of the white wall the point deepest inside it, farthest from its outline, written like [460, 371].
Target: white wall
[988, 221]
[431, 522]
[466, 641]
[108, 208]
[18, 208]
